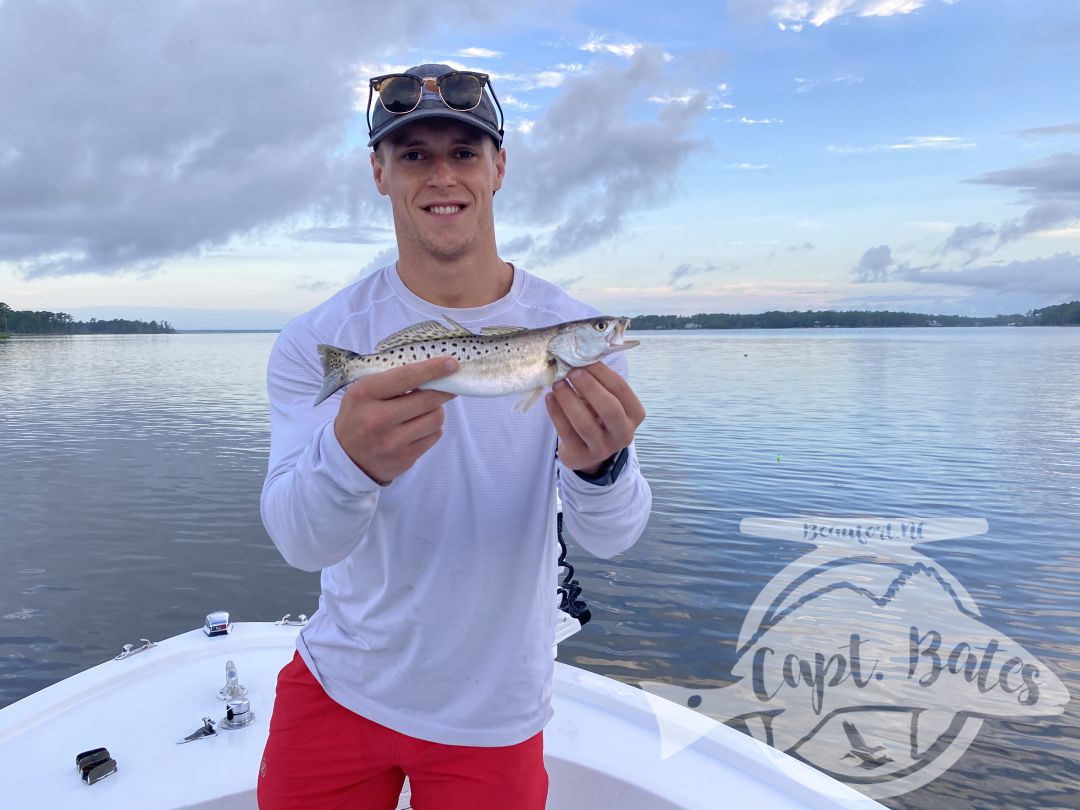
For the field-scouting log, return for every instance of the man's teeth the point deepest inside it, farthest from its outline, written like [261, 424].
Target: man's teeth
[444, 209]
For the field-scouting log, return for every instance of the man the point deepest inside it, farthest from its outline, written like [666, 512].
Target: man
[432, 518]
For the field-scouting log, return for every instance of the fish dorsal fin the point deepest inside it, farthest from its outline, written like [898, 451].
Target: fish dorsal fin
[501, 330]
[425, 330]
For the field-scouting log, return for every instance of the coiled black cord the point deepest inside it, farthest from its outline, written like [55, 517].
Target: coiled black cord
[569, 588]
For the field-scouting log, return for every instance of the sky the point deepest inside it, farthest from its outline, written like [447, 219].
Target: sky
[205, 161]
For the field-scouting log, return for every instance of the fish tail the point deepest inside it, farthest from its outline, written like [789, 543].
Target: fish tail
[333, 363]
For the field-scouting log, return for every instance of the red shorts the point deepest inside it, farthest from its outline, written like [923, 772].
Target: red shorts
[322, 756]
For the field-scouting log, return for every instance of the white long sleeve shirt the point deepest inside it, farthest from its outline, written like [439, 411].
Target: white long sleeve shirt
[436, 617]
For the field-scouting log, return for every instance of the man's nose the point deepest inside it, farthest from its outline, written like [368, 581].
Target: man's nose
[442, 173]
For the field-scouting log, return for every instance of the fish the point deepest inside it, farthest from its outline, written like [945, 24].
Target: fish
[495, 361]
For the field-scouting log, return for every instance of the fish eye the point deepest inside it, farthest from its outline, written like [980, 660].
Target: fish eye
[600, 325]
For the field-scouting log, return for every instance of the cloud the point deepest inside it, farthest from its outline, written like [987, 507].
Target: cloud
[1051, 186]
[749, 167]
[518, 246]
[756, 121]
[916, 143]
[378, 261]
[479, 53]
[516, 103]
[684, 270]
[671, 99]
[537, 80]
[1059, 129]
[1051, 276]
[599, 44]
[803, 246]
[874, 265]
[352, 235]
[969, 238]
[794, 15]
[139, 132]
[592, 160]
[567, 283]
[308, 284]
[806, 85]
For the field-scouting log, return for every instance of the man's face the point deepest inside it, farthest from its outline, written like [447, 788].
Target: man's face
[440, 177]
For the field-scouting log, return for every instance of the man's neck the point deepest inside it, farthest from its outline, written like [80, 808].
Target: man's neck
[463, 284]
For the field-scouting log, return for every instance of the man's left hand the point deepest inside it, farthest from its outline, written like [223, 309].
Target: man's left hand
[595, 416]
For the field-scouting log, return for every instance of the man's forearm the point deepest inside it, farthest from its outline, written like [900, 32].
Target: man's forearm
[317, 506]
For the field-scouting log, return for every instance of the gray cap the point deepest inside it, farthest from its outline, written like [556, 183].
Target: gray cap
[483, 117]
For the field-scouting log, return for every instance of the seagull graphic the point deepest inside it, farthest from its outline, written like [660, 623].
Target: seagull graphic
[871, 757]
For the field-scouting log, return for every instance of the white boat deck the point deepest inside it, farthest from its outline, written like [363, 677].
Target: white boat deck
[602, 749]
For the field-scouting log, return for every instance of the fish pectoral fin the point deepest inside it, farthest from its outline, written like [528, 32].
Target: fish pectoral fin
[559, 369]
[425, 330]
[502, 330]
[528, 399]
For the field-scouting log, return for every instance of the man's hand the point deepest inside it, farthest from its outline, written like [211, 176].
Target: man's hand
[595, 418]
[385, 424]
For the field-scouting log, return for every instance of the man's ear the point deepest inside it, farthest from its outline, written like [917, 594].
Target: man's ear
[500, 170]
[377, 173]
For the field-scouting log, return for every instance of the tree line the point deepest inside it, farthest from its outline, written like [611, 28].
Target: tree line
[41, 322]
[1059, 315]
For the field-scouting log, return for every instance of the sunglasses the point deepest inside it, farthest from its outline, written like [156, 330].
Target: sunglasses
[401, 93]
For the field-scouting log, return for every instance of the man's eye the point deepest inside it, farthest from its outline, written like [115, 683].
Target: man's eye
[413, 155]
[466, 153]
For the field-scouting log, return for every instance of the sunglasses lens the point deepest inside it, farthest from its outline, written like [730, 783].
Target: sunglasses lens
[399, 94]
[461, 91]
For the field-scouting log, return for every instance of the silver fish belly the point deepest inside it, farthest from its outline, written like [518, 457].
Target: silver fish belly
[496, 361]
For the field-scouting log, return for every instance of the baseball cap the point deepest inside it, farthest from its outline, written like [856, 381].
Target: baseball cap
[483, 116]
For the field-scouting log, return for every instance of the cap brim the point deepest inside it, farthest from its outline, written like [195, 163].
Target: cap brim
[435, 112]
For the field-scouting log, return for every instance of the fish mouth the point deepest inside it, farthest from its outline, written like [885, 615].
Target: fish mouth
[618, 336]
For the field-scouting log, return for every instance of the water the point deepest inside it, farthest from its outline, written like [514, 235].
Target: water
[130, 469]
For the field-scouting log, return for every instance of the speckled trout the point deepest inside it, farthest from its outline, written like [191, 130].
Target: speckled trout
[496, 361]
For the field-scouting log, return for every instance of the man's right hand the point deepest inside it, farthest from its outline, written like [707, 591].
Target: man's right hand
[385, 423]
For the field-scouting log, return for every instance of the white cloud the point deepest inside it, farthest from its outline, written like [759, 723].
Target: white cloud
[544, 79]
[794, 15]
[479, 53]
[846, 79]
[538, 80]
[749, 167]
[757, 121]
[916, 143]
[517, 104]
[597, 43]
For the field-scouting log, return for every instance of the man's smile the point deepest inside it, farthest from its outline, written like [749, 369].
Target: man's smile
[444, 209]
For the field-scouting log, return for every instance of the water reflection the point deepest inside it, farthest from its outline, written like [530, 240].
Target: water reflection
[129, 509]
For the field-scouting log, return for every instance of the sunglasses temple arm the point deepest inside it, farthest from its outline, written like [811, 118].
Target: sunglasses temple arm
[502, 118]
[370, 95]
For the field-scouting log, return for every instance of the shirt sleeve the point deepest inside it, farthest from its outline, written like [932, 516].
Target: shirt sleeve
[606, 519]
[316, 503]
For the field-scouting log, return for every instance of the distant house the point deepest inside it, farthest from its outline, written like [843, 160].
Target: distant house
[692, 325]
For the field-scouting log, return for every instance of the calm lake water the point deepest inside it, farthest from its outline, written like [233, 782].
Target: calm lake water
[130, 471]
